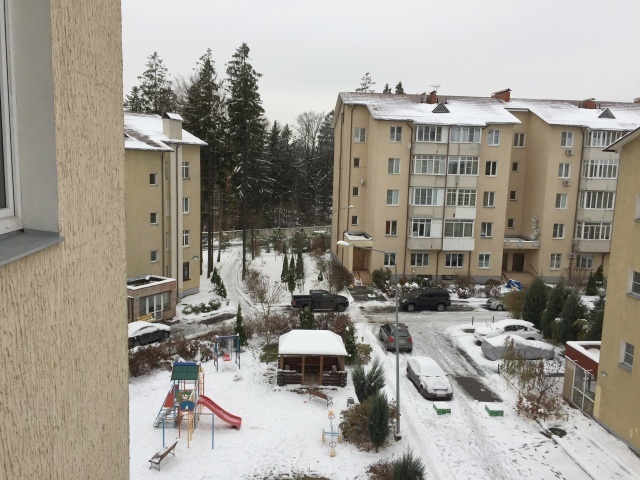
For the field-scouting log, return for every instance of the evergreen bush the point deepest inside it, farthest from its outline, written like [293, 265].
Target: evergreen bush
[378, 420]
[408, 467]
[535, 302]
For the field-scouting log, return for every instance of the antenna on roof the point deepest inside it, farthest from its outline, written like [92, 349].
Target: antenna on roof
[435, 86]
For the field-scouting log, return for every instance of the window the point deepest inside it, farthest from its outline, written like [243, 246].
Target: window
[564, 170]
[154, 256]
[513, 195]
[637, 215]
[185, 238]
[566, 140]
[355, 192]
[426, 196]
[558, 230]
[491, 168]
[461, 197]
[556, 261]
[185, 170]
[601, 138]
[389, 259]
[185, 204]
[391, 228]
[561, 201]
[153, 179]
[421, 227]
[635, 283]
[493, 138]
[393, 197]
[515, 167]
[458, 228]
[167, 245]
[600, 168]
[463, 165]
[429, 164]
[419, 259]
[486, 230]
[360, 135]
[464, 135]
[393, 167]
[154, 304]
[426, 133]
[584, 261]
[354, 220]
[185, 271]
[489, 199]
[395, 134]
[356, 162]
[627, 354]
[518, 140]
[597, 200]
[484, 260]
[511, 223]
[593, 231]
[454, 260]
[153, 218]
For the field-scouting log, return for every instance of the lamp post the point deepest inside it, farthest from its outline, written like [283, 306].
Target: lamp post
[330, 258]
[397, 435]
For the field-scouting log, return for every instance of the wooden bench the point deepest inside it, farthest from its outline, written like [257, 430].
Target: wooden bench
[154, 462]
[319, 394]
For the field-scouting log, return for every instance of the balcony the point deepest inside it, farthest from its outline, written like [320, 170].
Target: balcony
[592, 246]
[520, 243]
[419, 243]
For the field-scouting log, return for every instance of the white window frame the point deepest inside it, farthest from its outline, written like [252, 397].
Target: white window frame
[489, 199]
[627, 353]
[429, 133]
[420, 228]
[389, 259]
[558, 231]
[561, 201]
[634, 287]
[515, 167]
[356, 162]
[465, 134]
[584, 261]
[513, 195]
[391, 228]
[395, 134]
[518, 140]
[426, 196]
[600, 168]
[597, 199]
[484, 260]
[153, 218]
[555, 261]
[602, 138]
[185, 238]
[463, 165]
[419, 259]
[429, 164]
[564, 170]
[493, 137]
[486, 230]
[454, 260]
[593, 231]
[511, 223]
[393, 197]
[458, 228]
[461, 197]
[186, 170]
[360, 135]
[355, 191]
[490, 168]
[393, 166]
[186, 205]
[566, 139]
[354, 220]
[153, 256]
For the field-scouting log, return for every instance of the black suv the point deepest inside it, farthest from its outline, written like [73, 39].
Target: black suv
[436, 298]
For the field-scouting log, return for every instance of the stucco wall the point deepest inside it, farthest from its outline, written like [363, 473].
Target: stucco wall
[63, 381]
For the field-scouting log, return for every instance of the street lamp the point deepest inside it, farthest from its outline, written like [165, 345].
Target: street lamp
[395, 266]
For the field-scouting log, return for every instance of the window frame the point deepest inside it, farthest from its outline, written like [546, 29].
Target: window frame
[186, 205]
[186, 171]
[186, 238]
[432, 197]
[354, 220]
[461, 197]
[491, 168]
[429, 133]
[424, 259]
[465, 165]
[627, 354]
[600, 168]
[564, 170]
[391, 228]
[465, 135]
[360, 135]
[153, 218]
[488, 199]
[493, 137]
[597, 199]
[395, 195]
[515, 167]
[513, 195]
[450, 256]
[558, 231]
[555, 261]
[355, 191]
[152, 254]
[393, 164]
[516, 140]
[153, 179]
[634, 283]
[584, 261]
[395, 134]
[562, 199]
[389, 259]
[418, 224]
[587, 230]
[435, 164]
[356, 162]
[566, 139]
[458, 228]
[486, 229]
[511, 223]
[484, 260]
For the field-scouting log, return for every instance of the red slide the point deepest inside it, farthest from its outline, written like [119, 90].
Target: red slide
[219, 412]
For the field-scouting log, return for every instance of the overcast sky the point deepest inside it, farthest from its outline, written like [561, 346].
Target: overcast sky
[308, 52]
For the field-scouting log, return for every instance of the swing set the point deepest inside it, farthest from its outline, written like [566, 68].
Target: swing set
[225, 346]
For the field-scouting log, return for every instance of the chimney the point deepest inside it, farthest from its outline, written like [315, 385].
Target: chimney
[172, 125]
[504, 95]
[433, 97]
[589, 103]
[636, 100]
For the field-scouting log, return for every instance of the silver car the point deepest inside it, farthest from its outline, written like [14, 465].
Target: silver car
[387, 335]
[496, 303]
[429, 378]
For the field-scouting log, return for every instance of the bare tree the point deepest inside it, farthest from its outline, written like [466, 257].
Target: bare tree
[267, 295]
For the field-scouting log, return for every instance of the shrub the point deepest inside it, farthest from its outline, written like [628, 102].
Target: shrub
[370, 383]
[382, 470]
[363, 353]
[535, 302]
[513, 303]
[492, 287]
[464, 285]
[353, 424]
[592, 286]
[307, 320]
[340, 277]
[599, 276]
[378, 420]
[408, 467]
[320, 241]
[380, 277]
[299, 242]
[239, 327]
[555, 301]
[572, 311]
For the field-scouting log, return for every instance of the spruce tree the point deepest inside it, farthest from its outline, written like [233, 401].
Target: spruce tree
[221, 290]
[307, 320]
[291, 279]
[399, 88]
[325, 162]
[599, 276]
[535, 302]
[572, 311]
[366, 84]
[292, 266]
[378, 421]
[155, 92]
[133, 102]
[592, 286]
[596, 318]
[555, 301]
[299, 267]
[239, 327]
[285, 269]
[386, 89]
[350, 344]
[408, 467]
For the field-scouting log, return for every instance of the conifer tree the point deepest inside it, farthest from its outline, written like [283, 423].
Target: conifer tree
[366, 84]
[307, 320]
[599, 276]
[155, 93]
[386, 89]
[535, 302]
[291, 279]
[593, 332]
[572, 310]
[285, 268]
[378, 424]
[239, 327]
[133, 102]
[221, 290]
[299, 267]
[592, 286]
[555, 301]
[292, 266]
[399, 88]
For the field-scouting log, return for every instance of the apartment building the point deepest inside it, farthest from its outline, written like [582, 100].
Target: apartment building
[483, 186]
[64, 411]
[162, 172]
[618, 379]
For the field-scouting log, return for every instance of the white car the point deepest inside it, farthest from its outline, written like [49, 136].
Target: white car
[142, 333]
[429, 378]
[520, 328]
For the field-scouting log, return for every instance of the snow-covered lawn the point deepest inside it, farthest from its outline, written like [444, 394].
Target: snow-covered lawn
[282, 429]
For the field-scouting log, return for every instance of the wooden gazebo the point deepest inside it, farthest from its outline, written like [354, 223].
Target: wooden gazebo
[311, 357]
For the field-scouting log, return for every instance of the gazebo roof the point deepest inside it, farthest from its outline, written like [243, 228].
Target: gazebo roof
[311, 342]
[185, 371]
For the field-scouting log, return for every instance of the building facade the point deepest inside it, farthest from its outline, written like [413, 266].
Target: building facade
[483, 186]
[162, 165]
[64, 410]
[618, 388]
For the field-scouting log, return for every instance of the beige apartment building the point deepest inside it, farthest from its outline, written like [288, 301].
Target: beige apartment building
[64, 411]
[484, 186]
[618, 382]
[162, 168]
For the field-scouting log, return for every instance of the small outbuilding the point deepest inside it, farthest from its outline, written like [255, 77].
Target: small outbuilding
[311, 357]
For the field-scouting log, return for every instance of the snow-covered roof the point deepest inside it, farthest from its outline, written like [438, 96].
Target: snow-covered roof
[618, 144]
[311, 342]
[144, 131]
[588, 349]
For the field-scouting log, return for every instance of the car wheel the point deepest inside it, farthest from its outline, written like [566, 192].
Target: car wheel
[340, 307]
[411, 307]
[440, 307]
[499, 308]
[136, 343]
[530, 338]
[478, 342]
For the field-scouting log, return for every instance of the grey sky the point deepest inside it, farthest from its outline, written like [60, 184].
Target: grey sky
[308, 52]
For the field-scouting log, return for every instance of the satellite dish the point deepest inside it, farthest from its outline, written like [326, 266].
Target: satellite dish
[532, 236]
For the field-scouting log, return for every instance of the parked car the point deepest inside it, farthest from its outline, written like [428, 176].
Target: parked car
[520, 328]
[388, 336]
[496, 303]
[436, 298]
[320, 300]
[142, 333]
[429, 378]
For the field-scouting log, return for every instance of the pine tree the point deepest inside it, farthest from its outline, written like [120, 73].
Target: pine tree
[292, 266]
[408, 467]
[572, 310]
[133, 102]
[325, 162]
[386, 89]
[592, 286]
[221, 290]
[593, 332]
[378, 422]
[366, 84]
[599, 276]
[155, 92]
[307, 320]
[535, 302]
[299, 267]
[285, 268]
[399, 88]
[291, 279]
[555, 301]
[350, 344]
[239, 328]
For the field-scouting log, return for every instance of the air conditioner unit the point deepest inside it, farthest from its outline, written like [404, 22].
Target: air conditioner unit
[566, 183]
[568, 152]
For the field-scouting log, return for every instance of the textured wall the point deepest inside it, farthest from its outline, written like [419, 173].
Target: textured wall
[63, 351]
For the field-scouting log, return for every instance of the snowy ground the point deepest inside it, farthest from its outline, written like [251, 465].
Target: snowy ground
[281, 428]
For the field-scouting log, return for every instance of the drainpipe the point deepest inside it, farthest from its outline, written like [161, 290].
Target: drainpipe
[339, 180]
[406, 236]
[575, 213]
[349, 174]
[444, 203]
